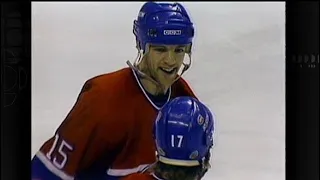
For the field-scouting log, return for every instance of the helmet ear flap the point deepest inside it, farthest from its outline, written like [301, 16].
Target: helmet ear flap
[138, 46]
[188, 48]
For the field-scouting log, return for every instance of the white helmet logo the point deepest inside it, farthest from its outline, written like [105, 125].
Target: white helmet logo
[172, 32]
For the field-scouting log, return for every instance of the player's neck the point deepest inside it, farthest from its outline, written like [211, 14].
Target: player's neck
[153, 88]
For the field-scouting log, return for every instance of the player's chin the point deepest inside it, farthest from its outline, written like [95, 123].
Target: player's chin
[166, 79]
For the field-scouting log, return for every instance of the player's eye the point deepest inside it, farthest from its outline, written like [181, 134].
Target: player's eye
[180, 50]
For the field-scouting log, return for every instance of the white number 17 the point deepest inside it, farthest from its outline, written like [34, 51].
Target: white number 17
[179, 137]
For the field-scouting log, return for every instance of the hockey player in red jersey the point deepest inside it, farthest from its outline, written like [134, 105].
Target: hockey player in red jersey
[108, 132]
[183, 134]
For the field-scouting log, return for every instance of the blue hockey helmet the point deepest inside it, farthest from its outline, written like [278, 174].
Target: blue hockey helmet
[183, 132]
[163, 23]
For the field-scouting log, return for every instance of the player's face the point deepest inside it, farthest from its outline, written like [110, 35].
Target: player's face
[165, 62]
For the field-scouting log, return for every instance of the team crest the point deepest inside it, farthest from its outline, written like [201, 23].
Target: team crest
[194, 155]
[200, 120]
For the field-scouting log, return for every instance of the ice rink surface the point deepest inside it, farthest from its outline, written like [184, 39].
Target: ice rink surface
[238, 71]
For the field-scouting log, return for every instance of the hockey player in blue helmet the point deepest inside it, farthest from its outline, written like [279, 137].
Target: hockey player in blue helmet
[183, 134]
[107, 133]
[164, 34]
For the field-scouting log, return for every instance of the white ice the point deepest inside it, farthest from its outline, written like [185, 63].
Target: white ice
[238, 71]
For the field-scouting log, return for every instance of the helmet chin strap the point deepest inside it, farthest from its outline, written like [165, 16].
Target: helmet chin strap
[185, 67]
[143, 75]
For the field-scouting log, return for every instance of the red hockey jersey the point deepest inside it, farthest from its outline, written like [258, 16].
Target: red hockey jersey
[112, 121]
[140, 176]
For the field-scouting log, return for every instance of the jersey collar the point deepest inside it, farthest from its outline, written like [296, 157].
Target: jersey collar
[146, 94]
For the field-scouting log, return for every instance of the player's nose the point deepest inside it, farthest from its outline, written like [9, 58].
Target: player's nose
[170, 60]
